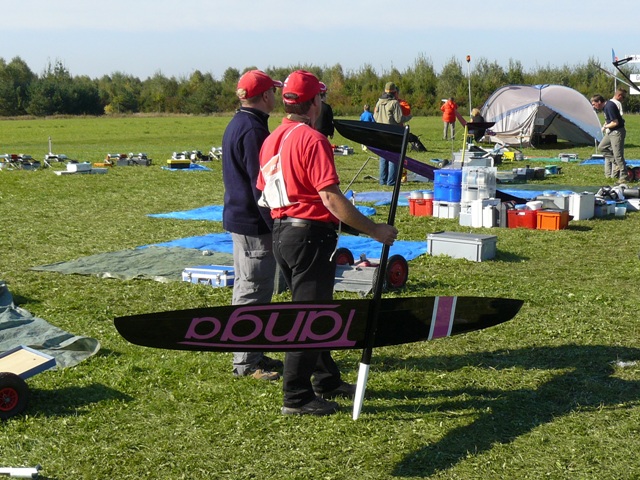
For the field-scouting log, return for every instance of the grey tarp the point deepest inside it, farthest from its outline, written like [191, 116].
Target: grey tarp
[163, 264]
[19, 327]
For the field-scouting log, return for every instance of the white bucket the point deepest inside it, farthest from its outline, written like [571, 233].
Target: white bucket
[416, 194]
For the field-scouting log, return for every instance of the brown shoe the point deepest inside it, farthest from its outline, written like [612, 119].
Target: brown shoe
[260, 374]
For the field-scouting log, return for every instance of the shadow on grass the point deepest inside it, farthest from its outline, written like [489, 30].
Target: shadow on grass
[579, 228]
[585, 381]
[71, 400]
[509, 257]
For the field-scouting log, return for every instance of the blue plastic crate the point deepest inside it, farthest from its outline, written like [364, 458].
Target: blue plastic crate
[446, 176]
[447, 193]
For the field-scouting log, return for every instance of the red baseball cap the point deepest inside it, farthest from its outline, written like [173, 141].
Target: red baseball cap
[255, 82]
[304, 85]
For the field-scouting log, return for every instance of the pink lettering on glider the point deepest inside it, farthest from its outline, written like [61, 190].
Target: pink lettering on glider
[290, 326]
[444, 309]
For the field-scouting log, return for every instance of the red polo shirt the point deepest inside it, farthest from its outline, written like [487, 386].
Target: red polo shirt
[307, 166]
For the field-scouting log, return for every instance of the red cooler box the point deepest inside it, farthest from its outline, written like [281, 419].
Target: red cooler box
[522, 219]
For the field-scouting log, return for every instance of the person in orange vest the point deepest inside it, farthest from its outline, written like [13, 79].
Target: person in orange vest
[449, 108]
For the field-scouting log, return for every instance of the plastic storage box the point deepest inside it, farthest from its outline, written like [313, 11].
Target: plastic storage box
[476, 248]
[447, 185]
[446, 209]
[214, 275]
[420, 207]
[79, 167]
[555, 200]
[522, 219]
[582, 205]
[552, 219]
[178, 163]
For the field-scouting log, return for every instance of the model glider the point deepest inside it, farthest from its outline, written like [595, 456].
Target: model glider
[335, 325]
[340, 324]
[618, 63]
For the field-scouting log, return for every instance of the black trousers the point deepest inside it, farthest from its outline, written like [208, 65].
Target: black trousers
[304, 255]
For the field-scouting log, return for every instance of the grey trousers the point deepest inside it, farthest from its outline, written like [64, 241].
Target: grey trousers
[612, 147]
[446, 128]
[254, 275]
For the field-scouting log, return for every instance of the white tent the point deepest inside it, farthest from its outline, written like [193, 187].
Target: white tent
[534, 114]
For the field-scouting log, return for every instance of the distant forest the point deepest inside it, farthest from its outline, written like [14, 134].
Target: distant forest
[57, 92]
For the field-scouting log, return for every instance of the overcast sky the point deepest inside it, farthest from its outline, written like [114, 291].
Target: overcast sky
[143, 37]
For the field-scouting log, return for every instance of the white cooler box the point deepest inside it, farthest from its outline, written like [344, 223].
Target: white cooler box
[79, 167]
[214, 275]
[471, 246]
[582, 205]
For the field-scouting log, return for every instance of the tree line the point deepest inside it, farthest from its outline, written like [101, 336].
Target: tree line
[57, 92]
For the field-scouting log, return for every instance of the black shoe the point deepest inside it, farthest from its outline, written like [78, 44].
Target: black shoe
[318, 406]
[271, 364]
[344, 390]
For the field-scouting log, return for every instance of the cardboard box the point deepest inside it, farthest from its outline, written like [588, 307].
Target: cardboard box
[470, 246]
[214, 275]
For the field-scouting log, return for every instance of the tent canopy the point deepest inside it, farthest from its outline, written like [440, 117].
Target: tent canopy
[523, 113]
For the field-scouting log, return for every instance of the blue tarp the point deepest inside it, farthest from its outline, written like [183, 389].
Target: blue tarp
[213, 213]
[600, 161]
[221, 242]
[192, 167]
[382, 198]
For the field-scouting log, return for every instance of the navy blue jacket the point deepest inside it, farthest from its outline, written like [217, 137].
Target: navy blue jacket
[612, 113]
[241, 144]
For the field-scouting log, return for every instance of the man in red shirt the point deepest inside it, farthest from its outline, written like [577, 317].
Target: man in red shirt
[449, 108]
[300, 184]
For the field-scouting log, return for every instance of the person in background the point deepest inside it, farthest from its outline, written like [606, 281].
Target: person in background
[612, 144]
[389, 111]
[448, 109]
[301, 185]
[476, 117]
[324, 124]
[405, 107]
[366, 115]
[617, 99]
[250, 225]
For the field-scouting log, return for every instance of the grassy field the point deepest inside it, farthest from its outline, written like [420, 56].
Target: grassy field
[554, 393]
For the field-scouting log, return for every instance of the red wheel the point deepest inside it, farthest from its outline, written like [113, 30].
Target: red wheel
[397, 272]
[344, 256]
[14, 394]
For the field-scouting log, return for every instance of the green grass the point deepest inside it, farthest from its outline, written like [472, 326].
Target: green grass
[540, 396]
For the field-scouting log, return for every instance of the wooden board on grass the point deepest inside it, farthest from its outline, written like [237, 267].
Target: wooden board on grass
[25, 362]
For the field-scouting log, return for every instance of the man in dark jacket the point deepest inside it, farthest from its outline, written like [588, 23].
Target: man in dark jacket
[612, 144]
[324, 123]
[389, 111]
[250, 225]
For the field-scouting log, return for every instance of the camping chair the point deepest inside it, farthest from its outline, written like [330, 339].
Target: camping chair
[415, 144]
